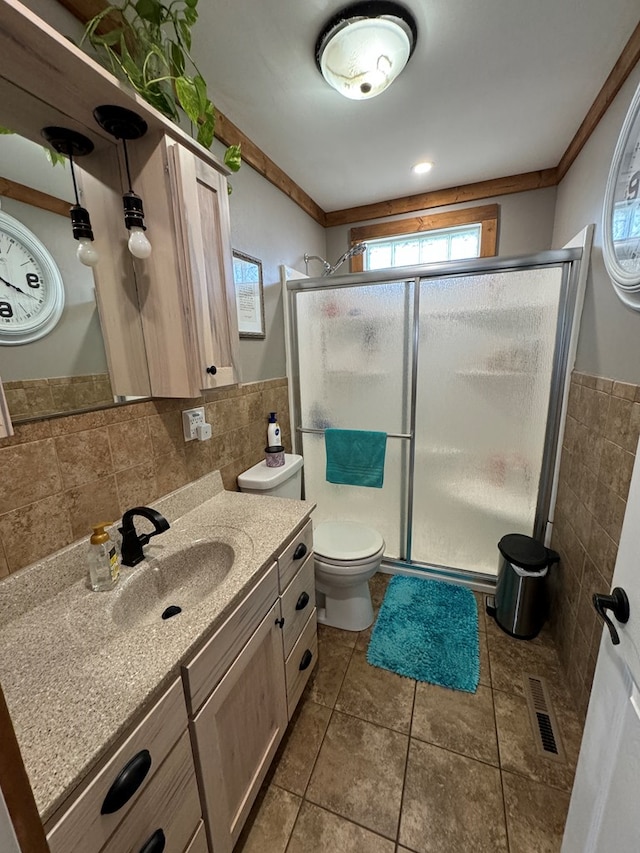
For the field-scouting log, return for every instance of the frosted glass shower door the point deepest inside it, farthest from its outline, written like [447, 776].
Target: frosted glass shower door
[486, 357]
[353, 356]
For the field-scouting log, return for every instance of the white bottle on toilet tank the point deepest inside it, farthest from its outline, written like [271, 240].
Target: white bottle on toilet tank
[274, 438]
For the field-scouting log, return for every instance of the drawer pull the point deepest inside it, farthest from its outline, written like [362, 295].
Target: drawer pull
[302, 602]
[280, 622]
[155, 843]
[307, 657]
[127, 782]
[300, 551]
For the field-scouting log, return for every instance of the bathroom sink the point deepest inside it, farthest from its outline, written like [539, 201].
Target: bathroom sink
[183, 578]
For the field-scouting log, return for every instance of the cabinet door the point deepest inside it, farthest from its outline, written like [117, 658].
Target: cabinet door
[201, 214]
[238, 730]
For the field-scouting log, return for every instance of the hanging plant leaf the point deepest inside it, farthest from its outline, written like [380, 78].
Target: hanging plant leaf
[177, 58]
[150, 10]
[54, 158]
[233, 157]
[187, 93]
[207, 126]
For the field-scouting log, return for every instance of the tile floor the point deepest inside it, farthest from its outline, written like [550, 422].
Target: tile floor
[376, 763]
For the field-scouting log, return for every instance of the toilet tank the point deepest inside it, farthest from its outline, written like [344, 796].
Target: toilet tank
[282, 482]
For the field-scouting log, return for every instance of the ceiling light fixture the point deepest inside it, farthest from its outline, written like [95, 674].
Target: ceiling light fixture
[125, 124]
[73, 144]
[364, 47]
[422, 168]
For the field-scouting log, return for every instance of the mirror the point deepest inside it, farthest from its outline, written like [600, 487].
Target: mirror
[65, 369]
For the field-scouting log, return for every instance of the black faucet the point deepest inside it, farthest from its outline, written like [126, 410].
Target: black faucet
[132, 542]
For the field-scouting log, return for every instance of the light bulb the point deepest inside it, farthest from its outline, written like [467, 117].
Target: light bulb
[86, 253]
[139, 246]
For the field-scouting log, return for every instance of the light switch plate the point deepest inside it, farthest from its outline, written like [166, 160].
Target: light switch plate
[191, 420]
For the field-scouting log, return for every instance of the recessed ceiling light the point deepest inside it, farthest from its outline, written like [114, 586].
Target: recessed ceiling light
[423, 168]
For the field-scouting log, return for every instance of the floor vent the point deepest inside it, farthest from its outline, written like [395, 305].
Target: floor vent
[543, 720]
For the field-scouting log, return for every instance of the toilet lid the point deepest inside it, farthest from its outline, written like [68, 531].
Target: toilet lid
[346, 540]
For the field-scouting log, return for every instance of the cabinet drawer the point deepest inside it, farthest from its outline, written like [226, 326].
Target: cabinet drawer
[298, 601]
[301, 662]
[169, 808]
[81, 826]
[294, 554]
[210, 664]
[199, 841]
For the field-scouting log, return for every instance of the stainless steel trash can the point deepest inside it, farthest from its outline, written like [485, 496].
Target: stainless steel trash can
[521, 603]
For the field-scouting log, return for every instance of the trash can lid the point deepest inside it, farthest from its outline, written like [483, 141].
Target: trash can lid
[524, 551]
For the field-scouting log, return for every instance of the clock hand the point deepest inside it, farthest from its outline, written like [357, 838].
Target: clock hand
[15, 287]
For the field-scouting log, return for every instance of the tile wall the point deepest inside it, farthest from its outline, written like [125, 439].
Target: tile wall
[29, 398]
[598, 454]
[60, 475]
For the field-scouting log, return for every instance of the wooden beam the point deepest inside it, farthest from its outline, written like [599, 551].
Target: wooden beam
[16, 789]
[440, 198]
[85, 10]
[624, 66]
[20, 192]
[229, 134]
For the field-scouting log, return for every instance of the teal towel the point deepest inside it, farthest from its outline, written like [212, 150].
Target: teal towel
[355, 457]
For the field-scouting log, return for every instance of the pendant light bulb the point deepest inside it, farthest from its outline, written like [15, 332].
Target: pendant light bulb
[86, 253]
[139, 246]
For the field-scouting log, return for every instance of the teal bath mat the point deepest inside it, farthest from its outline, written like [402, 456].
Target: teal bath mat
[428, 630]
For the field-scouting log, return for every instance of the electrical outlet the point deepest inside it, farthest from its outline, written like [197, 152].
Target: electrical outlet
[191, 420]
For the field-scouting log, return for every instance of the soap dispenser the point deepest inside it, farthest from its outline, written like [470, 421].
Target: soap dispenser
[102, 559]
[274, 439]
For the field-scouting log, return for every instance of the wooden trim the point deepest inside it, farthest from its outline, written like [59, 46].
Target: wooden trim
[441, 198]
[27, 195]
[229, 134]
[16, 789]
[486, 214]
[619, 73]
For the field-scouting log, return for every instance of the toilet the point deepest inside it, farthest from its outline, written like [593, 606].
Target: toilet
[347, 553]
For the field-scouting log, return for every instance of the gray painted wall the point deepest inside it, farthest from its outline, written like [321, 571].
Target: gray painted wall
[267, 225]
[526, 224]
[609, 342]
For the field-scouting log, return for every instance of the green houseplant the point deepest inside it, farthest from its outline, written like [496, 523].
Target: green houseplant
[148, 43]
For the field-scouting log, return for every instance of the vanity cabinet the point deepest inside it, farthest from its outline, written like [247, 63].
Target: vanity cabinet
[145, 794]
[185, 288]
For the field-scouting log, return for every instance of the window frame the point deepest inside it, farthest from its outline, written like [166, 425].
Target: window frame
[484, 215]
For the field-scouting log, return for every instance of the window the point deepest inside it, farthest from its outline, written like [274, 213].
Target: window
[467, 233]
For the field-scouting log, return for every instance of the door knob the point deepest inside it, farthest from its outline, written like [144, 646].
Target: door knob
[618, 604]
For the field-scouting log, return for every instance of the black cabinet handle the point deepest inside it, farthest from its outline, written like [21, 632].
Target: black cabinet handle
[618, 604]
[302, 602]
[300, 551]
[212, 370]
[127, 782]
[280, 622]
[155, 843]
[307, 657]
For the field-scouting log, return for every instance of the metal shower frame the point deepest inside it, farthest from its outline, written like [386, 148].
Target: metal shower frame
[567, 259]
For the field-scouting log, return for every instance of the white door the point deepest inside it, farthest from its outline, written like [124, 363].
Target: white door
[604, 814]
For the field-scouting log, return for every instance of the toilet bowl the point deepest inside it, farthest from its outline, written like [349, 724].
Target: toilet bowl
[347, 554]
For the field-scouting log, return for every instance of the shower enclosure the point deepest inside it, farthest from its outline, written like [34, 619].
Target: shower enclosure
[463, 365]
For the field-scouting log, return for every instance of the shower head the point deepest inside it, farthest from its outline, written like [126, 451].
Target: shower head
[327, 268]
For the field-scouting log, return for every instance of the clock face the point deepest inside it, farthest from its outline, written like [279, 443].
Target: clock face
[621, 217]
[31, 289]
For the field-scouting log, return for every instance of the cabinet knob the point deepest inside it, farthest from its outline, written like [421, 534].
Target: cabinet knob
[302, 602]
[300, 551]
[307, 657]
[155, 843]
[127, 782]
[212, 370]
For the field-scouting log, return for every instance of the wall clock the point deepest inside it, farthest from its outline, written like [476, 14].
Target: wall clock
[31, 289]
[621, 212]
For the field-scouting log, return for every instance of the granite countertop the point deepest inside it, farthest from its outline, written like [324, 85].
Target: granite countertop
[75, 671]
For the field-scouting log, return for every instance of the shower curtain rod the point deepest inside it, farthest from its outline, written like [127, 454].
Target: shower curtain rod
[408, 436]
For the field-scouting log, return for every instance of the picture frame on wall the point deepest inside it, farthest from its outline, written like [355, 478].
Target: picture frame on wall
[247, 277]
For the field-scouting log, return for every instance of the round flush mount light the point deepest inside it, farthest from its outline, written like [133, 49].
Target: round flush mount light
[364, 47]
[422, 168]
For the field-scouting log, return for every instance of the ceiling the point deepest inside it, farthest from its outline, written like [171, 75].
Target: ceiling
[494, 88]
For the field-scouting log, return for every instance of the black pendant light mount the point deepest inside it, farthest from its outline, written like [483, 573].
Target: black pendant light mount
[73, 144]
[125, 125]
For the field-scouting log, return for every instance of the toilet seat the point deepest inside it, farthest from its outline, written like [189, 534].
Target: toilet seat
[346, 543]
[349, 567]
